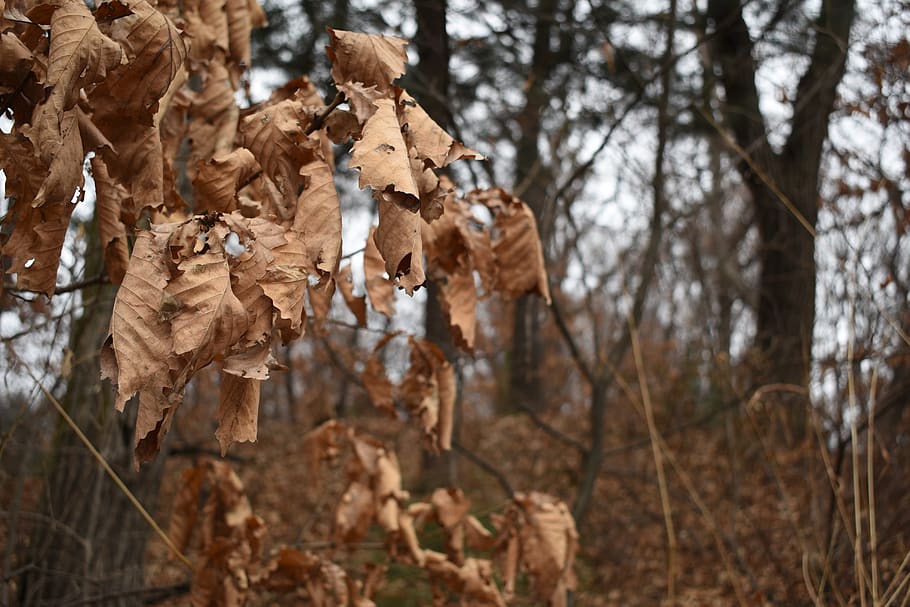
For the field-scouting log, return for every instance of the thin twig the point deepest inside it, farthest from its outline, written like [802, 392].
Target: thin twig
[861, 575]
[319, 119]
[150, 595]
[870, 488]
[485, 466]
[656, 449]
[78, 285]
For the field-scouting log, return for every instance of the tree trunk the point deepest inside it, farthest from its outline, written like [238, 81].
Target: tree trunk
[786, 218]
[433, 82]
[533, 184]
[94, 544]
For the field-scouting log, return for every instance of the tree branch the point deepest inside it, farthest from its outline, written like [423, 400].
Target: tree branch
[485, 466]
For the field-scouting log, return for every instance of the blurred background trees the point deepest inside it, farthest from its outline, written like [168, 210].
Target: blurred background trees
[723, 183]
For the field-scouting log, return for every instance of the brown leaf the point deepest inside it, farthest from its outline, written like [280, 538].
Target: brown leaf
[140, 338]
[109, 200]
[434, 146]
[321, 304]
[185, 511]
[380, 289]
[428, 392]
[58, 144]
[357, 305]
[217, 181]
[275, 136]
[318, 218]
[155, 52]
[80, 55]
[209, 318]
[382, 156]
[518, 250]
[376, 380]
[371, 59]
[238, 411]
[473, 581]
[16, 60]
[285, 284]
[387, 489]
[137, 162]
[398, 240]
[34, 245]
[548, 542]
[353, 514]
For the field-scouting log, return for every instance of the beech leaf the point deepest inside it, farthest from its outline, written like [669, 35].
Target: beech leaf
[371, 59]
[398, 240]
[380, 289]
[382, 156]
[238, 411]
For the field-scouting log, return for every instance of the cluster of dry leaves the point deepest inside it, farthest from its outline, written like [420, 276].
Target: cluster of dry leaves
[535, 532]
[222, 228]
[220, 266]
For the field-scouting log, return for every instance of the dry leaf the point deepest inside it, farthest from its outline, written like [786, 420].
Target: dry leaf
[398, 240]
[434, 146]
[238, 411]
[383, 159]
[376, 380]
[217, 182]
[517, 248]
[318, 218]
[369, 59]
[380, 289]
[356, 304]
[109, 201]
[140, 339]
[428, 392]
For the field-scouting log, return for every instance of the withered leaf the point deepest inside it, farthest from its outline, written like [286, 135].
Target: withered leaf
[376, 380]
[518, 250]
[380, 289]
[155, 51]
[371, 59]
[210, 318]
[356, 304]
[238, 411]
[80, 55]
[434, 146]
[110, 196]
[318, 218]
[428, 392]
[276, 137]
[382, 156]
[354, 513]
[141, 338]
[216, 182]
[398, 240]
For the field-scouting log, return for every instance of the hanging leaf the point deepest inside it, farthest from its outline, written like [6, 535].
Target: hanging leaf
[369, 59]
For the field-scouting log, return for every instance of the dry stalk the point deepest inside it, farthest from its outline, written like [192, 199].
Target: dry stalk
[656, 440]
